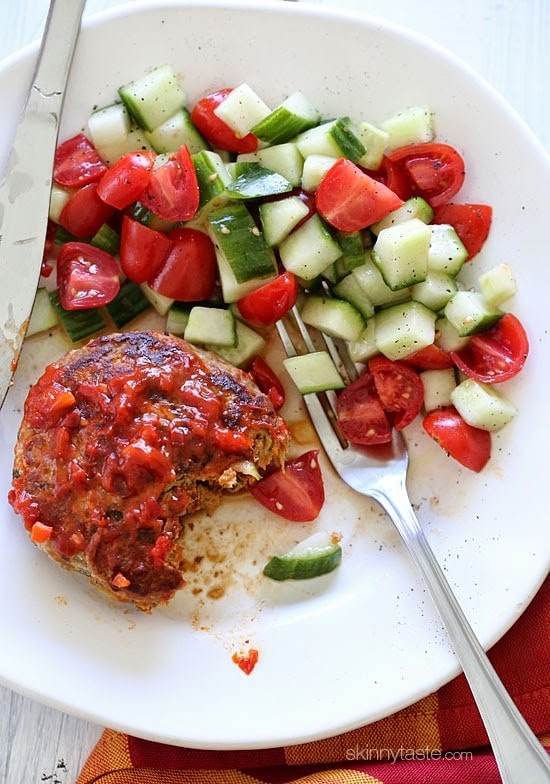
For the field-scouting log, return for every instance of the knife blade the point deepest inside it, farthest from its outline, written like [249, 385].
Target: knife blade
[25, 187]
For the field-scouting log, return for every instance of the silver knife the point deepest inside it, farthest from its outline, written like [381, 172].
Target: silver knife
[25, 188]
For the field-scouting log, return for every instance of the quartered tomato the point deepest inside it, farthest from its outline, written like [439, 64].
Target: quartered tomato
[215, 130]
[87, 277]
[361, 417]
[351, 200]
[77, 162]
[432, 170]
[430, 358]
[85, 213]
[267, 382]
[496, 355]
[471, 222]
[469, 445]
[188, 272]
[295, 492]
[173, 192]
[270, 302]
[125, 181]
[142, 250]
[399, 388]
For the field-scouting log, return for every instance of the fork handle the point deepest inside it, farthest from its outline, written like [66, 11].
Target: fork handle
[519, 754]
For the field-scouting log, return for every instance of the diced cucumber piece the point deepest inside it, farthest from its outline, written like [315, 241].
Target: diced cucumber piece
[309, 249]
[240, 246]
[128, 304]
[438, 386]
[251, 180]
[345, 135]
[353, 252]
[153, 98]
[469, 313]
[113, 133]
[160, 303]
[107, 239]
[177, 318]
[213, 178]
[249, 345]
[319, 554]
[374, 140]
[295, 115]
[364, 348]
[242, 109]
[447, 252]
[334, 317]
[319, 141]
[401, 253]
[447, 337]
[350, 289]
[285, 159]
[280, 217]
[498, 284]
[139, 212]
[371, 281]
[59, 197]
[410, 126]
[403, 329]
[314, 169]
[212, 326]
[481, 405]
[415, 207]
[78, 324]
[44, 315]
[176, 131]
[314, 372]
[435, 291]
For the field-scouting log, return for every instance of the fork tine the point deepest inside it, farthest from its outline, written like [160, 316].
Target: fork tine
[323, 421]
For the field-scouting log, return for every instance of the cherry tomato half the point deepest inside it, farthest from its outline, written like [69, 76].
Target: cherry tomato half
[85, 213]
[432, 170]
[87, 277]
[351, 200]
[496, 355]
[399, 388]
[430, 358]
[361, 417]
[125, 181]
[270, 302]
[77, 162]
[267, 382]
[142, 250]
[188, 272]
[472, 223]
[296, 492]
[215, 130]
[469, 445]
[173, 189]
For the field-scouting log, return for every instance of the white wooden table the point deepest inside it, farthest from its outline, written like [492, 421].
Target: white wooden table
[507, 42]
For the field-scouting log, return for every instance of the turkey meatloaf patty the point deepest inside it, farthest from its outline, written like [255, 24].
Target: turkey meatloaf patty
[120, 440]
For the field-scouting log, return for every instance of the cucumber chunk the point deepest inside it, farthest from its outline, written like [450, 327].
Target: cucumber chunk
[314, 372]
[317, 555]
[498, 284]
[447, 337]
[175, 131]
[59, 197]
[410, 126]
[285, 159]
[364, 348]
[249, 345]
[469, 313]
[177, 318]
[309, 249]
[314, 169]
[154, 98]
[334, 317]
[242, 109]
[295, 115]
[371, 281]
[280, 217]
[44, 315]
[403, 329]
[129, 303]
[374, 140]
[160, 303]
[447, 252]
[481, 405]
[438, 387]
[350, 290]
[113, 134]
[213, 178]
[251, 180]
[401, 253]
[435, 291]
[415, 207]
[78, 324]
[212, 326]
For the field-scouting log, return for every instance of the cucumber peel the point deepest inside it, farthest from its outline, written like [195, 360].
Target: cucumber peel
[317, 555]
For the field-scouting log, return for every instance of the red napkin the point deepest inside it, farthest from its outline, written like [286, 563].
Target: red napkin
[438, 740]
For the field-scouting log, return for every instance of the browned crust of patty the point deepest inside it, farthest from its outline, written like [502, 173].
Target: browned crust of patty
[100, 362]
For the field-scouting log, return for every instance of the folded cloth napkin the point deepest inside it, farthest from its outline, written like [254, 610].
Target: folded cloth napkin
[438, 740]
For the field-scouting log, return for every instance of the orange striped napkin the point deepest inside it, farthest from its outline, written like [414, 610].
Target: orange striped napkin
[438, 740]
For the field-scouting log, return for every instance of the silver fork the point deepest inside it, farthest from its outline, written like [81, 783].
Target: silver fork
[381, 474]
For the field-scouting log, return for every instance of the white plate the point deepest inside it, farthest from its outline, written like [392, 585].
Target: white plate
[357, 645]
